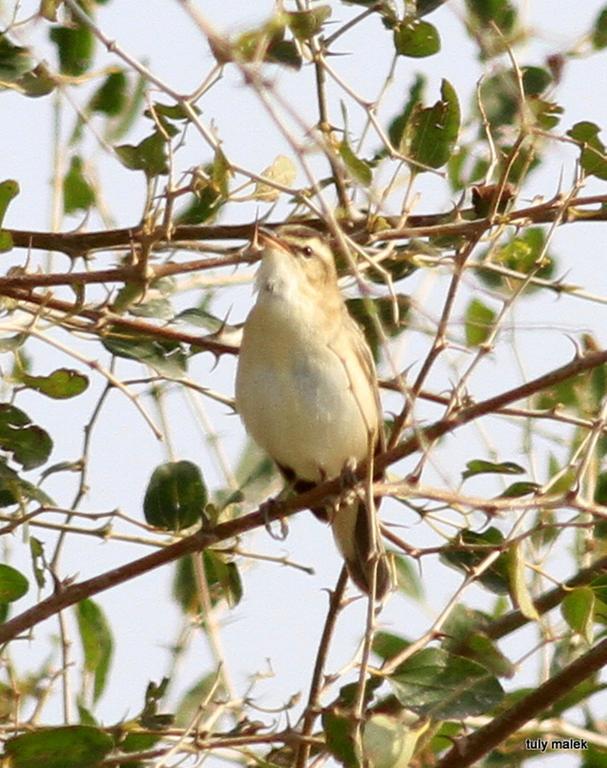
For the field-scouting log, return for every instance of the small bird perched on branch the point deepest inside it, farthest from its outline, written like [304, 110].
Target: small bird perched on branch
[306, 388]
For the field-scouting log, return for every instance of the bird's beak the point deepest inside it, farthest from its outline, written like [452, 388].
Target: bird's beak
[267, 238]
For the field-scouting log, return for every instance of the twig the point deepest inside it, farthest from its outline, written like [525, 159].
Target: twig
[311, 711]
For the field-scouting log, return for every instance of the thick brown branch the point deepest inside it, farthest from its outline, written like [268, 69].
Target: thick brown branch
[81, 243]
[468, 750]
[514, 620]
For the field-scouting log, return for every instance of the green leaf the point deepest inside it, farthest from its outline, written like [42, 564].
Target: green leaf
[424, 7]
[175, 497]
[170, 111]
[483, 467]
[12, 343]
[161, 309]
[599, 31]
[190, 704]
[267, 44]
[199, 317]
[223, 577]
[599, 587]
[398, 123]
[522, 488]
[479, 320]
[211, 192]
[184, 588]
[482, 650]
[501, 12]
[15, 60]
[70, 746]
[387, 645]
[359, 169]
[131, 111]
[29, 443]
[592, 158]
[38, 82]
[149, 156]
[166, 357]
[38, 561]
[600, 492]
[500, 97]
[135, 741]
[305, 24]
[203, 206]
[339, 738]
[282, 171]
[150, 717]
[49, 8]
[594, 757]
[76, 48]
[416, 38]
[78, 194]
[525, 254]
[464, 637]
[402, 263]
[518, 584]
[111, 97]
[535, 80]
[59, 385]
[97, 643]
[563, 394]
[9, 189]
[468, 549]
[286, 53]
[369, 312]
[407, 577]
[431, 132]
[6, 241]
[438, 684]
[13, 584]
[220, 173]
[389, 742]
[16, 490]
[578, 611]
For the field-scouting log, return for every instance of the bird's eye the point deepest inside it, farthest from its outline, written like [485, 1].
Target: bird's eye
[307, 251]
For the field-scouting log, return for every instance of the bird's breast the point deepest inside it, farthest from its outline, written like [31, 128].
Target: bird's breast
[295, 394]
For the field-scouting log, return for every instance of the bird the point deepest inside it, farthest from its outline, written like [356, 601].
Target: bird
[306, 388]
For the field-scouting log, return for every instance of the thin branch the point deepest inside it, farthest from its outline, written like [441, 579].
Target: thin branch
[102, 321]
[312, 711]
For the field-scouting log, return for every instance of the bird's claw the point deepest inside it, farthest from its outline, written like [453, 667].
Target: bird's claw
[270, 510]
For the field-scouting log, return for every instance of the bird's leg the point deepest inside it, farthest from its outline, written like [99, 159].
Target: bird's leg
[270, 510]
[348, 478]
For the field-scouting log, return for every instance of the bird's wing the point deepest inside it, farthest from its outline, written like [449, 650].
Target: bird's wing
[363, 359]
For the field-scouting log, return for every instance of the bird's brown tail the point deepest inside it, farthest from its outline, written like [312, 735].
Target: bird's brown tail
[350, 526]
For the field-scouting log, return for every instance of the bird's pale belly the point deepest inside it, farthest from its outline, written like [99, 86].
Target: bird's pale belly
[303, 412]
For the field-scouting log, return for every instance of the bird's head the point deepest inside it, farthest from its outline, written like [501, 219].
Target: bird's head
[295, 258]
